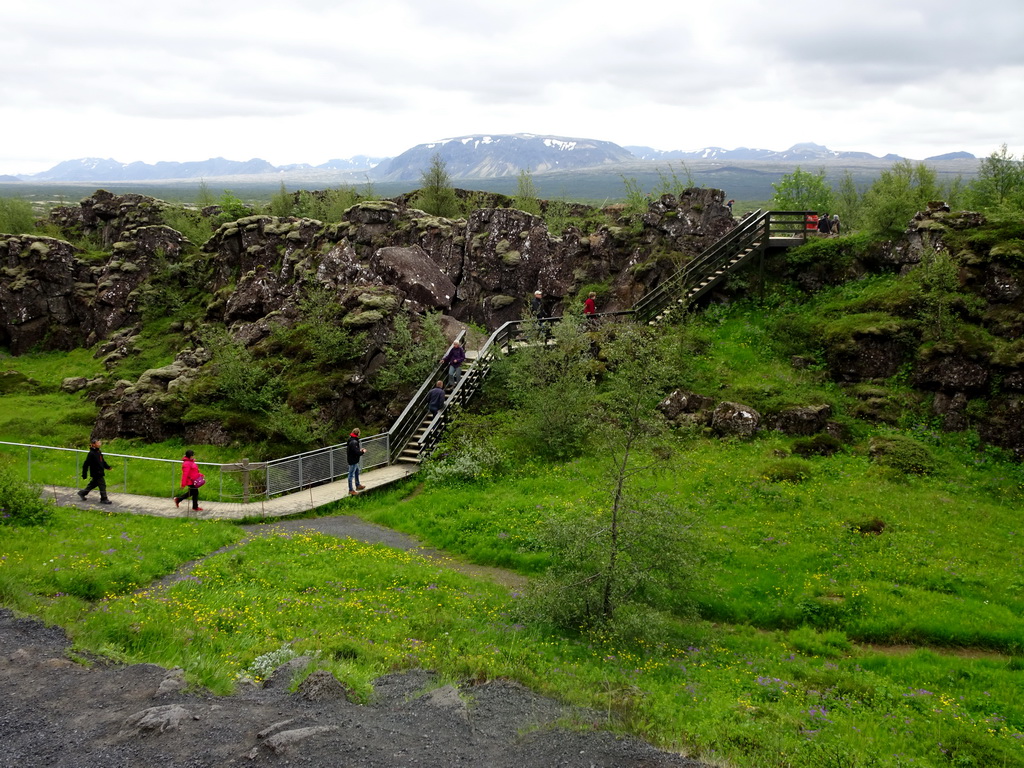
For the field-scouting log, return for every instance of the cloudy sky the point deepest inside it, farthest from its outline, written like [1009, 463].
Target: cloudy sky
[310, 80]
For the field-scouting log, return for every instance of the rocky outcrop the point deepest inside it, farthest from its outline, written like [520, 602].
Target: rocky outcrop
[44, 291]
[106, 216]
[870, 354]
[416, 276]
[801, 420]
[137, 409]
[685, 408]
[735, 420]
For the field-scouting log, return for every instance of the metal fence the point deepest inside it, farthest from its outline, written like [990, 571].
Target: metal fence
[323, 465]
[143, 475]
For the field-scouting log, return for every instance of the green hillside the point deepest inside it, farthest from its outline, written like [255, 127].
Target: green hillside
[783, 531]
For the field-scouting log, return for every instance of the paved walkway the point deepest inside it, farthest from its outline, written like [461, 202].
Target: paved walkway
[282, 506]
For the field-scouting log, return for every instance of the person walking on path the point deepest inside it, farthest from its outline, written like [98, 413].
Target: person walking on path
[435, 399]
[835, 225]
[95, 466]
[190, 481]
[455, 358]
[355, 454]
[590, 306]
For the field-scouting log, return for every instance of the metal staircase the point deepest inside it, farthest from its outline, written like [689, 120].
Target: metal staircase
[415, 434]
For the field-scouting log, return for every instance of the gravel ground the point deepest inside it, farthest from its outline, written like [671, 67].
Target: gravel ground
[59, 712]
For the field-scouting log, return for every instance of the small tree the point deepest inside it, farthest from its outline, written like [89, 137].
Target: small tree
[552, 390]
[556, 216]
[204, 197]
[282, 204]
[328, 341]
[670, 184]
[232, 208]
[635, 547]
[803, 191]
[1000, 182]
[525, 198]
[849, 203]
[897, 195]
[16, 216]
[436, 195]
[411, 353]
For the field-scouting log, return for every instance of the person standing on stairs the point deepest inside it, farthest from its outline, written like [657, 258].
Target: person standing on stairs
[435, 399]
[355, 453]
[537, 305]
[95, 466]
[190, 477]
[455, 358]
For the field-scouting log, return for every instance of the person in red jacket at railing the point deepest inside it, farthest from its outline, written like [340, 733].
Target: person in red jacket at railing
[190, 475]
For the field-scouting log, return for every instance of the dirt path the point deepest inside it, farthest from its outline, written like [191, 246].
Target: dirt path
[350, 526]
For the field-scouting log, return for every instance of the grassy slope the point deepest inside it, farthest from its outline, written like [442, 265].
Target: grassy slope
[805, 652]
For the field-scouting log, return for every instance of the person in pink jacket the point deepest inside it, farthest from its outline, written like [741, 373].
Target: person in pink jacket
[190, 474]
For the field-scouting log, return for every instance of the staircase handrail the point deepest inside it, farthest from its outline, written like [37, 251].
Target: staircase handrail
[405, 426]
[747, 232]
[470, 382]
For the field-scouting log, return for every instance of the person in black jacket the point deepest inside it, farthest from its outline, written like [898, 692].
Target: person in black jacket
[95, 465]
[824, 225]
[435, 399]
[355, 453]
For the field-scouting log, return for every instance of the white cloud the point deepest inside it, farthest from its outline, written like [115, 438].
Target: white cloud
[317, 79]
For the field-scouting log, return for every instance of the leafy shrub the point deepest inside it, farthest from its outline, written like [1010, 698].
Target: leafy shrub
[16, 216]
[196, 228]
[829, 256]
[465, 456]
[902, 453]
[21, 503]
[320, 331]
[787, 471]
[232, 208]
[412, 354]
[244, 382]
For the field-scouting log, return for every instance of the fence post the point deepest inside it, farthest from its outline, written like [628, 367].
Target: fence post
[30, 464]
[245, 480]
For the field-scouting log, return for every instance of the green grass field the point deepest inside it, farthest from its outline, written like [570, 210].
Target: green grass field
[803, 657]
[848, 614]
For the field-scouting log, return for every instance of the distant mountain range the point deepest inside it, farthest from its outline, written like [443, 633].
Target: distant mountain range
[488, 156]
[798, 153]
[92, 169]
[480, 156]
